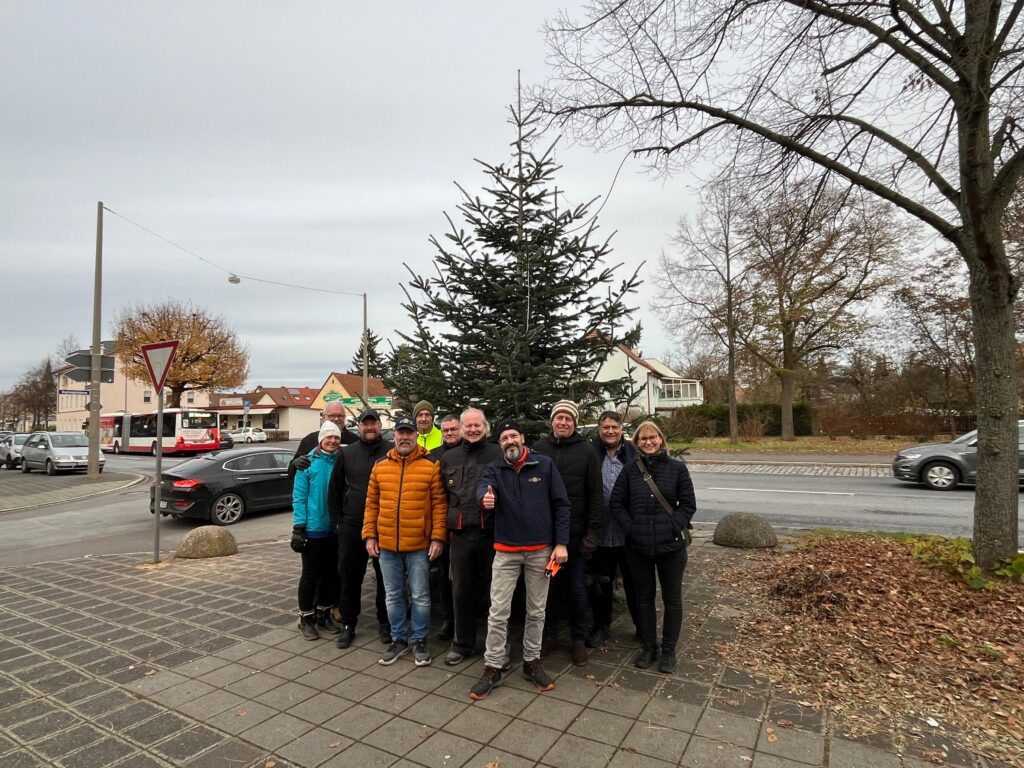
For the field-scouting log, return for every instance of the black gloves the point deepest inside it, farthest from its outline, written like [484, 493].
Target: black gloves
[301, 462]
[298, 543]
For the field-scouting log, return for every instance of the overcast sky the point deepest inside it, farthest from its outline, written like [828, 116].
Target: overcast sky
[313, 143]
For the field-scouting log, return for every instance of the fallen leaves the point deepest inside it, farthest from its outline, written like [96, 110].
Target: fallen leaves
[882, 638]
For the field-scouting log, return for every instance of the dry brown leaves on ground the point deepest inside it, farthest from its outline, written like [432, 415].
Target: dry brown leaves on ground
[884, 640]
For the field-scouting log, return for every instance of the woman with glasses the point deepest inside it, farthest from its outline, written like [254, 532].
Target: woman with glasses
[653, 502]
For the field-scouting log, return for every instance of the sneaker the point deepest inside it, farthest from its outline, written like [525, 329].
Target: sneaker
[579, 654]
[598, 637]
[667, 663]
[421, 654]
[491, 679]
[384, 631]
[346, 635]
[534, 672]
[647, 657]
[453, 658]
[396, 649]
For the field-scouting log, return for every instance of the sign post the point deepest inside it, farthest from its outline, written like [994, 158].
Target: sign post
[158, 357]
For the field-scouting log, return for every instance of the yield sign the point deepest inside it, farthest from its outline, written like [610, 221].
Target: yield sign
[158, 358]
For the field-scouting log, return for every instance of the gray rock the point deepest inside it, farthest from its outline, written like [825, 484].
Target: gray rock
[207, 541]
[744, 530]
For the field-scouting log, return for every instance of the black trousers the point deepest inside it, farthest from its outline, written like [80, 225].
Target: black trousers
[603, 565]
[668, 570]
[319, 573]
[471, 552]
[351, 565]
[441, 585]
[567, 596]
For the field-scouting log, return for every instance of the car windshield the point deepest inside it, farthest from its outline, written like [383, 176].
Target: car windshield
[19, 439]
[69, 441]
[972, 435]
[198, 420]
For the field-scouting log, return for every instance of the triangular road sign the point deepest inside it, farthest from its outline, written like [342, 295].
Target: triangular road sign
[158, 358]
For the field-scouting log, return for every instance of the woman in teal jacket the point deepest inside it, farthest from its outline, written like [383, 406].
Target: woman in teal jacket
[313, 535]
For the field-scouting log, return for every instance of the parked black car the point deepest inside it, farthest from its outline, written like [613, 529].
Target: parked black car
[943, 466]
[225, 485]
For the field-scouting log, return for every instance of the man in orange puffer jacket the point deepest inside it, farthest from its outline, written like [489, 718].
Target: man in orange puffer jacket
[405, 525]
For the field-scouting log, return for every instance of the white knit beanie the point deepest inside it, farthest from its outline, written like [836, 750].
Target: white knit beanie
[328, 429]
[567, 406]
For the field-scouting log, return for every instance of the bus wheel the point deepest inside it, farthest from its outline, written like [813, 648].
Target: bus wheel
[227, 509]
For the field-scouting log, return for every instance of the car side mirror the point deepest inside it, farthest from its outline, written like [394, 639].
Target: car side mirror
[973, 444]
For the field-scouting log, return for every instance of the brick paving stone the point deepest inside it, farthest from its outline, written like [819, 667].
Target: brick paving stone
[763, 760]
[619, 702]
[25, 711]
[393, 698]
[256, 684]
[806, 718]
[445, 749]
[99, 755]
[41, 727]
[286, 696]
[320, 707]
[67, 741]
[792, 744]
[656, 741]
[188, 744]
[850, 754]
[398, 736]
[13, 696]
[551, 712]
[358, 659]
[153, 730]
[356, 721]
[295, 667]
[128, 716]
[491, 756]
[181, 693]
[159, 682]
[241, 717]
[741, 731]
[211, 704]
[671, 714]
[707, 753]
[476, 723]
[361, 755]
[22, 758]
[105, 702]
[264, 659]
[437, 711]
[276, 731]
[526, 739]
[314, 747]
[601, 726]
[626, 759]
[571, 751]
[324, 677]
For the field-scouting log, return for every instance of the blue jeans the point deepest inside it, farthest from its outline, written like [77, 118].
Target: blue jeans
[395, 567]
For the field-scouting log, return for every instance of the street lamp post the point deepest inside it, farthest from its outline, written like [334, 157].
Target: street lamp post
[93, 469]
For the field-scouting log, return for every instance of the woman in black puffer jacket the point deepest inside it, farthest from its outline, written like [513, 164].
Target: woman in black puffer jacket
[655, 539]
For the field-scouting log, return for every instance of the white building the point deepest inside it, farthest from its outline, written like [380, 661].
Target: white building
[661, 390]
[286, 411]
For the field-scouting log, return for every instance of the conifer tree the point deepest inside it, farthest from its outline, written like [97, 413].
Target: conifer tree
[376, 361]
[523, 306]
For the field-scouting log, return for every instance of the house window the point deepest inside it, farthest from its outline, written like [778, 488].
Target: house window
[147, 396]
[270, 421]
[190, 397]
[676, 389]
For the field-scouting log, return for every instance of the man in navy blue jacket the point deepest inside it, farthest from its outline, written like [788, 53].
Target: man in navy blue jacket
[531, 533]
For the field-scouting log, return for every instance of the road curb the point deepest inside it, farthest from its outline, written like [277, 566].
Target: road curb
[137, 478]
[750, 463]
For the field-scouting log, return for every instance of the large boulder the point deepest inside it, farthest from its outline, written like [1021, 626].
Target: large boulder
[208, 541]
[744, 530]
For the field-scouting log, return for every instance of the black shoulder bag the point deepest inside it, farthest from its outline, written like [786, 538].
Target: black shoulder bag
[646, 475]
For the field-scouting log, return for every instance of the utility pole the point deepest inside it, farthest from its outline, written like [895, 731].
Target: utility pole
[366, 357]
[94, 386]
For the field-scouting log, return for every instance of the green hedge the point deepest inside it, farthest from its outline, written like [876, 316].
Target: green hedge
[693, 420]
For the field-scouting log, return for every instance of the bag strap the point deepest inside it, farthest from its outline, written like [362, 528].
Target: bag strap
[646, 475]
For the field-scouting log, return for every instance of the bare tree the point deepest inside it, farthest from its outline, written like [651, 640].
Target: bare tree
[915, 102]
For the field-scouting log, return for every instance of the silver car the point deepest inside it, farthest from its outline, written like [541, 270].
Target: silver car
[56, 452]
[944, 466]
[10, 449]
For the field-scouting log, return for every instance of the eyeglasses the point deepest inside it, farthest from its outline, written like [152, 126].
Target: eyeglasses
[648, 439]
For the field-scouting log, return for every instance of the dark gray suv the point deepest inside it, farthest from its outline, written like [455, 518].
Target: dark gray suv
[944, 466]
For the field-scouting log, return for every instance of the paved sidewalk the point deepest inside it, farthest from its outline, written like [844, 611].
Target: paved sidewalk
[23, 491]
[106, 662]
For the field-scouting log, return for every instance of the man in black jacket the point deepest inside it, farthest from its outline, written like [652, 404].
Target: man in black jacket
[333, 412]
[440, 569]
[470, 529]
[580, 469]
[347, 501]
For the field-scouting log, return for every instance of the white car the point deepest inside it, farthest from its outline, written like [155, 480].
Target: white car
[249, 435]
[10, 449]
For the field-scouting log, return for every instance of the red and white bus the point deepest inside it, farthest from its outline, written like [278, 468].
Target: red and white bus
[186, 430]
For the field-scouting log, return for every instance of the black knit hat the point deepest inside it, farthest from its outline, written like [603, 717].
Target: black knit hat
[508, 424]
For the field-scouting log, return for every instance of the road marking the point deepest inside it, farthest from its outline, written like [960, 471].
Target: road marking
[770, 490]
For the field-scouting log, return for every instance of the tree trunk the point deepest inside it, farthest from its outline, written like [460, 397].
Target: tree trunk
[734, 424]
[997, 493]
[788, 379]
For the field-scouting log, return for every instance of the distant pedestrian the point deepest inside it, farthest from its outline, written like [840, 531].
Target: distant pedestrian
[531, 530]
[313, 534]
[614, 453]
[580, 470]
[429, 436]
[347, 503]
[653, 502]
[470, 530]
[406, 509]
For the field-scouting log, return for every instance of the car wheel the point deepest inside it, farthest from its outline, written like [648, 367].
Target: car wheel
[227, 509]
[24, 466]
[116, 449]
[101, 470]
[248, 439]
[940, 476]
[50, 469]
[152, 448]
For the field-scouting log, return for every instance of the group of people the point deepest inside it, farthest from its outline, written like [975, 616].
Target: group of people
[490, 517]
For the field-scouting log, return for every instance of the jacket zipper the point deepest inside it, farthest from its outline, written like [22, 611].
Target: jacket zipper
[398, 509]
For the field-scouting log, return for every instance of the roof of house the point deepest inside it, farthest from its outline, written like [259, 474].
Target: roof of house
[353, 383]
[289, 397]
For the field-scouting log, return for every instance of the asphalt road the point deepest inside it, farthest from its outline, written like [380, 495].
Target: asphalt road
[121, 523]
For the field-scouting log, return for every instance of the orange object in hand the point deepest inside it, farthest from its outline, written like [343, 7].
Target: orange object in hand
[552, 568]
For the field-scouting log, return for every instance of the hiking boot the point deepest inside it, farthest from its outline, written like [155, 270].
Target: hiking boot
[421, 654]
[346, 634]
[598, 637]
[453, 657]
[447, 631]
[326, 622]
[396, 649]
[549, 646]
[534, 672]
[579, 654]
[648, 655]
[667, 663]
[491, 679]
[384, 631]
[307, 626]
